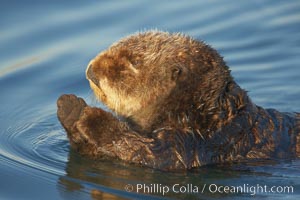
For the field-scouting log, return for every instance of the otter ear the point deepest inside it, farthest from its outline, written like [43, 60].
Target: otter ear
[176, 72]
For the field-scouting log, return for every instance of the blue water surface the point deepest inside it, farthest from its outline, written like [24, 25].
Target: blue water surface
[45, 47]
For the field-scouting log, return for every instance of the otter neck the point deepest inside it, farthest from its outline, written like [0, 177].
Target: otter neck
[208, 113]
[145, 119]
[205, 113]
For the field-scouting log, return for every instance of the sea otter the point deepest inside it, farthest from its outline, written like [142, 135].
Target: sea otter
[174, 106]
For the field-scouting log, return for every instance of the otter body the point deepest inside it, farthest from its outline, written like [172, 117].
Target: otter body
[179, 105]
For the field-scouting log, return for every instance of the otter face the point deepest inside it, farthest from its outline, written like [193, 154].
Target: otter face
[132, 76]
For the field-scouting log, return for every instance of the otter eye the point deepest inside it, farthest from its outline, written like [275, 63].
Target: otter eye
[135, 62]
[176, 73]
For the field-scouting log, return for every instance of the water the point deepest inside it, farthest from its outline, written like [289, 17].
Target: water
[45, 47]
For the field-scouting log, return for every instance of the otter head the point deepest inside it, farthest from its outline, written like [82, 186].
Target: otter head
[153, 74]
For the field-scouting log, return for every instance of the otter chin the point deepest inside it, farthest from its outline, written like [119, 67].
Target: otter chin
[180, 108]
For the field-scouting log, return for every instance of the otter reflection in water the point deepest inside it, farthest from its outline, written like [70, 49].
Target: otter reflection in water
[177, 107]
[87, 178]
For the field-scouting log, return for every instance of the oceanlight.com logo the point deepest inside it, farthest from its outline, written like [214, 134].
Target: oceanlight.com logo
[212, 188]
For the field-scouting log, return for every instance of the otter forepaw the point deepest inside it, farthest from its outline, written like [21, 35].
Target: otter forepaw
[95, 123]
[94, 133]
[69, 109]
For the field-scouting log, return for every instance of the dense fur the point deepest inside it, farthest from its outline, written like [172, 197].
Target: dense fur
[177, 105]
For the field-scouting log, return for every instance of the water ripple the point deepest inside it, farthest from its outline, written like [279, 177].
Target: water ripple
[35, 146]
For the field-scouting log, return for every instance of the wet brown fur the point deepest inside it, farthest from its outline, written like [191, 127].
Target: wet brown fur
[179, 105]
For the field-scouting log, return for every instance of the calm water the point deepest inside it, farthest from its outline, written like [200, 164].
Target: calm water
[45, 47]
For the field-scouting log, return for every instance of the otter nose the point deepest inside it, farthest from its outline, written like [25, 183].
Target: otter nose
[91, 75]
